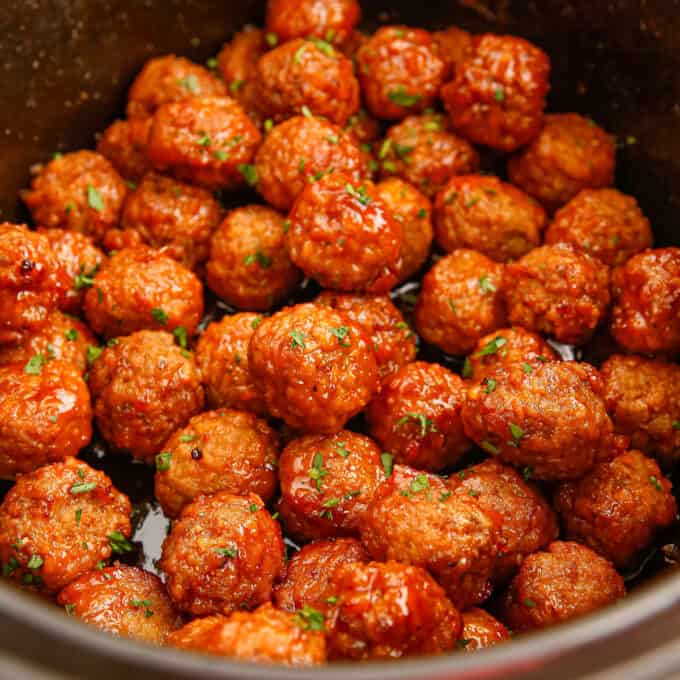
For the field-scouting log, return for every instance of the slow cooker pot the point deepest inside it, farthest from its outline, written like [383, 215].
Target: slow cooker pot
[66, 65]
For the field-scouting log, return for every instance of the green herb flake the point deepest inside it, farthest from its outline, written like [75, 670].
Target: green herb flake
[297, 340]
[426, 424]
[268, 125]
[309, 618]
[185, 438]
[85, 279]
[333, 599]
[94, 198]
[226, 552]
[159, 315]
[529, 603]
[180, 334]
[119, 544]
[499, 94]
[324, 46]
[249, 173]
[527, 368]
[71, 334]
[211, 63]
[486, 285]
[422, 213]
[34, 364]
[489, 385]
[163, 461]
[401, 97]
[467, 368]
[473, 201]
[527, 473]
[298, 54]
[317, 471]
[342, 334]
[236, 86]
[258, 257]
[385, 148]
[419, 484]
[221, 155]
[190, 83]
[35, 562]
[359, 194]
[82, 487]
[387, 460]
[445, 496]
[517, 434]
[272, 39]
[254, 507]
[655, 483]
[489, 448]
[69, 609]
[79, 514]
[306, 111]
[341, 448]
[491, 347]
[331, 503]
[256, 322]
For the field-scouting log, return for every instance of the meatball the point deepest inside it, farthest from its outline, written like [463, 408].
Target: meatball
[416, 417]
[327, 482]
[63, 337]
[497, 95]
[123, 143]
[302, 150]
[618, 507]
[565, 581]
[550, 418]
[415, 519]
[389, 611]
[332, 20]
[265, 636]
[174, 216]
[237, 63]
[399, 71]
[122, 600]
[485, 214]
[646, 311]
[169, 79]
[45, 414]
[422, 150]
[307, 76]
[248, 265]
[309, 572]
[604, 223]
[392, 340]
[364, 127]
[344, 236]
[229, 451]
[144, 388]
[80, 191]
[559, 291]
[208, 141]
[505, 347]
[414, 211]
[454, 45]
[460, 301]
[222, 359]
[643, 400]
[529, 523]
[570, 153]
[32, 282]
[59, 522]
[481, 630]
[80, 261]
[224, 553]
[313, 366]
[141, 288]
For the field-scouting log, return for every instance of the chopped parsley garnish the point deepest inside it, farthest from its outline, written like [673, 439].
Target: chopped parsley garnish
[268, 125]
[71, 334]
[489, 448]
[426, 424]
[297, 340]
[342, 334]
[146, 604]
[491, 347]
[249, 173]
[34, 364]
[317, 471]
[452, 305]
[384, 149]
[190, 83]
[656, 483]
[69, 608]
[159, 315]
[419, 484]
[94, 198]
[387, 460]
[527, 368]
[258, 256]
[226, 552]
[309, 618]
[473, 201]
[221, 155]
[285, 226]
[180, 334]
[499, 94]
[422, 213]
[85, 279]
[517, 434]
[82, 487]
[467, 368]
[211, 63]
[342, 449]
[79, 514]
[93, 353]
[298, 54]
[236, 85]
[306, 112]
[204, 141]
[486, 285]
[163, 461]
[333, 599]
[489, 385]
[529, 603]
[119, 544]
[11, 566]
[254, 507]
[324, 46]
[35, 562]
[272, 39]
[445, 496]
[359, 194]
[188, 438]
[331, 503]
[256, 322]
[401, 97]
[527, 473]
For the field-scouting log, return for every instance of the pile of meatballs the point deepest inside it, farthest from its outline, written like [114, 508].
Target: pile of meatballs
[316, 421]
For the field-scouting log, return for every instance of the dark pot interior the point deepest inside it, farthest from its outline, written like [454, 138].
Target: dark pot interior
[66, 66]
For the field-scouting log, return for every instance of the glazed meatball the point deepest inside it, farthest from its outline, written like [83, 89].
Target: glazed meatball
[59, 522]
[399, 71]
[142, 288]
[313, 366]
[302, 150]
[32, 282]
[646, 311]
[485, 214]
[169, 79]
[570, 153]
[498, 92]
[63, 337]
[80, 261]
[309, 76]
[309, 572]
[364, 127]
[332, 20]
[123, 143]
[414, 211]
[389, 611]
[551, 418]
[249, 267]
[224, 553]
[643, 400]
[415, 519]
[460, 301]
[327, 482]
[344, 236]
[392, 340]
[174, 216]
[416, 417]
[80, 191]
[421, 150]
[604, 223]
[222, 359]
[454, 45]
[208, 141]
[265, 636]
[481, 630]
[565, 581]
[505, 347]
[237, 63]
[559, 291]
[618, 507]
[45, 414]
[144, 388]
[122, 600]
[221, 450]
[529, 523]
